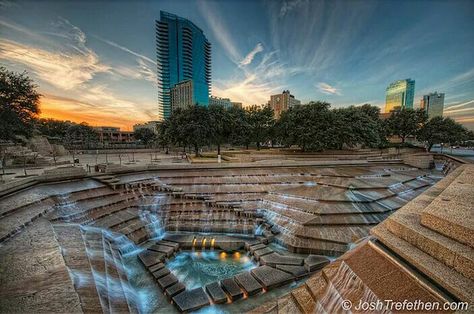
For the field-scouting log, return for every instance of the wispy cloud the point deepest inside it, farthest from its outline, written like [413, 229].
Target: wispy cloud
[449, 108]
[66, 69]
[327, 89]
[219, 29]
[125, 49]
[249, 57]
[288, 6]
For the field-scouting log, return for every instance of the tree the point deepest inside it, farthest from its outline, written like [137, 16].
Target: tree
[144, 135]
[442, 130]
[220, 130]
[239, 126]
[52, 128]
[260, 122]
[405, 123]
[80, 135]
[18, 104]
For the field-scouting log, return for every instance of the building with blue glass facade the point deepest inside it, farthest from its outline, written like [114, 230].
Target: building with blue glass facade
[183, 54]
[400, 95]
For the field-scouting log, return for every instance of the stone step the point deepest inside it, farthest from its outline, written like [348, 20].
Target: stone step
[75, 256]
[115, 290]
[406, 224]
[445, 276]
[452, 213]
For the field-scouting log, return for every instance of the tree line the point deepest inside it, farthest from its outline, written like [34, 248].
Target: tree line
[311, 127]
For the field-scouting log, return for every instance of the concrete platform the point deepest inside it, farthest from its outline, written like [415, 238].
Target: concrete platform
[191, 300]
[262, 252]
[167, 281]
[156, 267]
[150, 258]
[216, 292]
[167, 250]
[315, 262]
[271, 277]
[232, 289]
[174, 245]
[277, 259]
[161, 273]
[295, 271]
[173, 290]
[250, 285]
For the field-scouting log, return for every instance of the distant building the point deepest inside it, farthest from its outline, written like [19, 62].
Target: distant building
[110, 134]
[282, 102]
[399, 95]
[224, 102]
[237, 104]
[182, 95]
[433, 104]
[183, 53]
[151, 125]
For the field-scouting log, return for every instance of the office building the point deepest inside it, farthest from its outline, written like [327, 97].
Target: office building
[399, 95]
[237, 104]
[150, 125]
[183, 53]
[113, 135]
[182, 95]
[282, 102]
[224, 102]
[433, 104]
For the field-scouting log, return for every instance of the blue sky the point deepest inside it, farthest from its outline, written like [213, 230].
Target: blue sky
[94, 61]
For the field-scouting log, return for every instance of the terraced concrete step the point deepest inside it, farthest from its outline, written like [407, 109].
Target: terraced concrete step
[445, 276]
[452, 212]
[406, 225]
[75, 256]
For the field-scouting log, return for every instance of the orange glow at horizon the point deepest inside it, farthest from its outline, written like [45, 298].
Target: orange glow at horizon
[69, 109]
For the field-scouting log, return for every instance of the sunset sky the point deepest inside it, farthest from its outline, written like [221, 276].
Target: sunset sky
[94, 61]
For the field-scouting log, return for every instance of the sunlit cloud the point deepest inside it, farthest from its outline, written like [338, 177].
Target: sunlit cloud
[249, 57]
[450, 108]
[327, 89]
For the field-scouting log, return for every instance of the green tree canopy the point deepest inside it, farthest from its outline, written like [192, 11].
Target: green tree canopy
[220, 126]
[81, 135]
[18, 104]
[145, 136]
[260, 121]
[442, 130]
[405, 123]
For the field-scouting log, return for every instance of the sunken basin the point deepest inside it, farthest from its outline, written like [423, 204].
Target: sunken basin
[183, 239]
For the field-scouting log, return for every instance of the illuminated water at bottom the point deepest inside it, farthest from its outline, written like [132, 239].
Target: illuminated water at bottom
[199, 268]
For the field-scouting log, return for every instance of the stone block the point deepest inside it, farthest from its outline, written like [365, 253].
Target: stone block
[271, 277]
[156, 267]
[315, 262]
[277, 259]
[150, 258]
[256, 247]
[191, 300]
[167, 281]
[295, 271]
[262, 252]
[173, 290]
[248, 283]
[232, 289]
[167, 250]
[174, 245]
[161, 273]
[216, 292]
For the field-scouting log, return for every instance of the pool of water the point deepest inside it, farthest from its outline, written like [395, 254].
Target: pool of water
[199, 268]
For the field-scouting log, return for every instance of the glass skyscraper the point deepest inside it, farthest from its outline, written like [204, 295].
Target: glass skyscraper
[400, 95]
[433, 104]
[183, 53]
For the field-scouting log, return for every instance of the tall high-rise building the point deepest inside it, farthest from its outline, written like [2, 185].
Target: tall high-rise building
[433, 104]
[400, 95]
[183, 53]
[282, 102]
